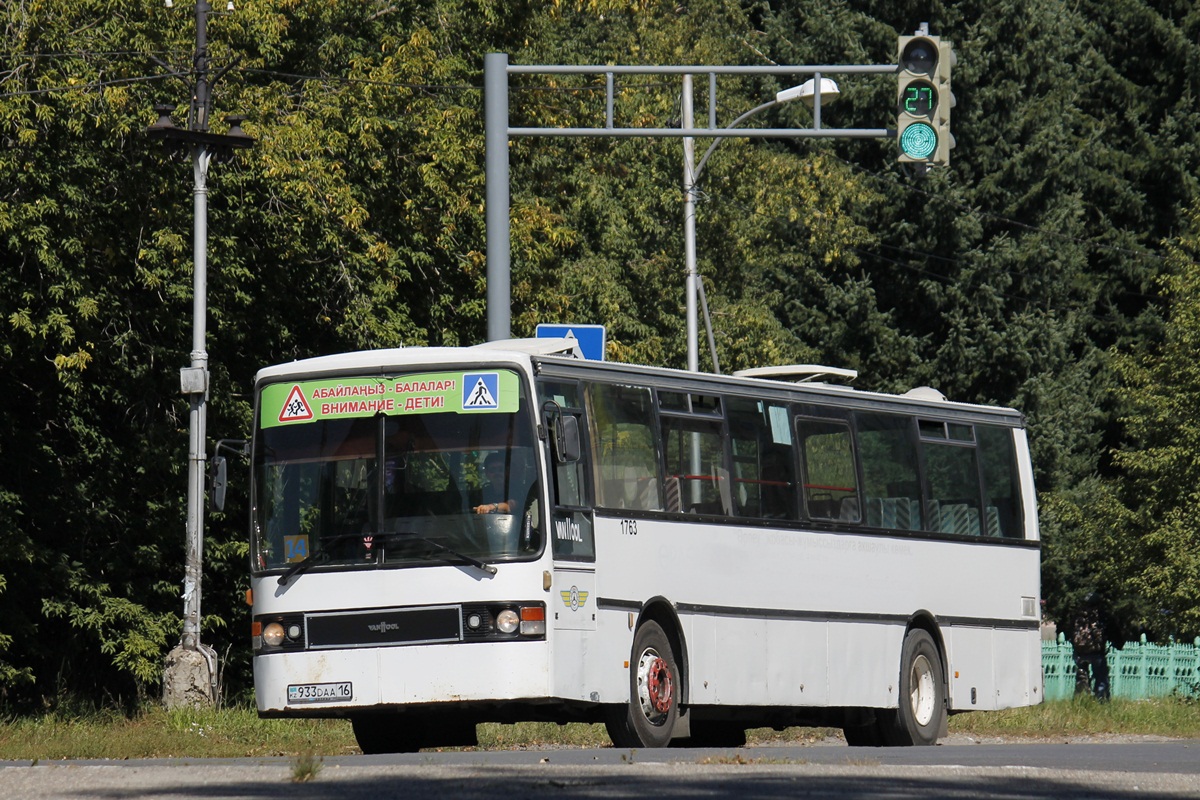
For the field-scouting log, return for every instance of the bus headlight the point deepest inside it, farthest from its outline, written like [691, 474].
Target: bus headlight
[273, 634]
[507, 621]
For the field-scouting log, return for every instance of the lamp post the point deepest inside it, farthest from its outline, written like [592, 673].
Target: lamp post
[190, 676]
[807, 92]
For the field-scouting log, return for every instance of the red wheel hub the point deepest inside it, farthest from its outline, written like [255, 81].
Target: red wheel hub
[658, 684]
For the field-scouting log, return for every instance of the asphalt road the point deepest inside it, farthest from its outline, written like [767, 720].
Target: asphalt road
[1038, 771]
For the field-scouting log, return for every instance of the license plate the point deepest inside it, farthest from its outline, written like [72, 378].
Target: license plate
[320, 692]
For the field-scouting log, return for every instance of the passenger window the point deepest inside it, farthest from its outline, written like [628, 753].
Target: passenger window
[764, 470]
[891, 486]
[830, 482]
[1002, 511]
[695, 464]
[953, 474]
[626, 447]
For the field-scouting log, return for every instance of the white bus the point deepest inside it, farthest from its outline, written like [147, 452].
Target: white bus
[446, 536]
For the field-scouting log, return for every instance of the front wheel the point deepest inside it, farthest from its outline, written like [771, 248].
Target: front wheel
[649, 719]
[922, 710]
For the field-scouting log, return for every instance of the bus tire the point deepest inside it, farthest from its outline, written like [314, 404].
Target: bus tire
[649, 718]
[922, 707]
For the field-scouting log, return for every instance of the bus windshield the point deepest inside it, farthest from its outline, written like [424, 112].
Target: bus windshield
[390, 480]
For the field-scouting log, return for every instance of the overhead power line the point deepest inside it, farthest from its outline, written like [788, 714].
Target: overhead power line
[91, 86]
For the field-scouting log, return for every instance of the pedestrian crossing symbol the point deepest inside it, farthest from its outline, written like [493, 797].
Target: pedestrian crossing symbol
[481, 391]
[296, 407]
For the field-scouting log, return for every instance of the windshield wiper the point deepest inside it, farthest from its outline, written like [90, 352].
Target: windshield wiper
[303, 564]
[441, 548]
[323, 554]
[316, 558]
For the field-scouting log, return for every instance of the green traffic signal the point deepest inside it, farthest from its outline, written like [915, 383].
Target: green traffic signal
[924, 100]
[918, 141]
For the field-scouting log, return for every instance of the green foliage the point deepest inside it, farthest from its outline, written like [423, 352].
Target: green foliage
[1151, 512]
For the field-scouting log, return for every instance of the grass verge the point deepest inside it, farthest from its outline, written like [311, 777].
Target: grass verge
[238, 733]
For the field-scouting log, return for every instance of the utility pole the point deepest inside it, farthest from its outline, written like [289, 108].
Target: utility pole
[190, 676]
[691, 273]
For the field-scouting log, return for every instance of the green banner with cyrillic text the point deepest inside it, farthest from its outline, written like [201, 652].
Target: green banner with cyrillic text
[466, 392]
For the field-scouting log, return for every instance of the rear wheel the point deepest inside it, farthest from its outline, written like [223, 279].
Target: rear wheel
[922, 711]
[649, 719]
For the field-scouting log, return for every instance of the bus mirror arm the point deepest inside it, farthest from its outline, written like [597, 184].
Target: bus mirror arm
[219, 473]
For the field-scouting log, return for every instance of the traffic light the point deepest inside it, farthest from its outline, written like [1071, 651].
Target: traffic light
[924, 99]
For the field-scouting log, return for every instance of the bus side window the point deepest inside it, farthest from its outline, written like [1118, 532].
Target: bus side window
[695, 462]
[560, 402]
[891, 485]
[764, 471]
[830, 483]
[625, 447]
[1001, 489]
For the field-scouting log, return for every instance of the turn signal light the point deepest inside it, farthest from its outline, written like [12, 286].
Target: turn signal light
[533, 620]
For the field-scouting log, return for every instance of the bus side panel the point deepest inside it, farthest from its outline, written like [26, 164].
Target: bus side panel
[749, 597]
[795, 654]
[1022, 685]
[975, 682]
[728, 658]
[864, 664]
[608, 662]
[571, 617]
[970, 671]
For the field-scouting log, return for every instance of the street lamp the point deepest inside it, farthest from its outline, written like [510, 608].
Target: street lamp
[807, 92]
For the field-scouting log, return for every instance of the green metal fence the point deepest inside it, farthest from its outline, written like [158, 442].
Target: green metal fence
[1136, 671]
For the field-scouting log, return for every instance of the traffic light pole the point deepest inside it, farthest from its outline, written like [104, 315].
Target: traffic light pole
[498, 132]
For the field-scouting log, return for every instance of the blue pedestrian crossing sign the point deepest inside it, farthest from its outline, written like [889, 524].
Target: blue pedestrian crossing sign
[590, 337]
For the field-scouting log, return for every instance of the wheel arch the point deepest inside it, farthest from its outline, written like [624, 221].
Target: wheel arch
[662, 611]
[927, 621]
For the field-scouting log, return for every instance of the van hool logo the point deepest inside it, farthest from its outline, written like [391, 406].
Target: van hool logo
[383, 627]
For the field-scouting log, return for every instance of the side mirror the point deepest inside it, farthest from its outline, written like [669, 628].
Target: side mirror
[567, 445]
[218, 476]
[219, 480]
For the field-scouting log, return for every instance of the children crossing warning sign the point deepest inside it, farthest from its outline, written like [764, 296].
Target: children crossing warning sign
[296, 407]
